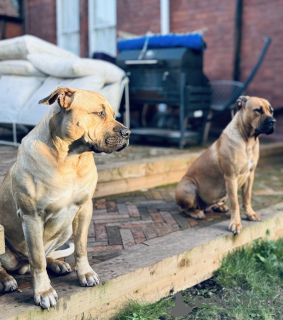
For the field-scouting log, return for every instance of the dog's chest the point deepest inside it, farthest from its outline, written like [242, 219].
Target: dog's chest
[65, 198]
[250, 165]
[246, 169]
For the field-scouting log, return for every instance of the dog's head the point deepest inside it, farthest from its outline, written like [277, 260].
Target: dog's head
[86, 120]
[257, 113]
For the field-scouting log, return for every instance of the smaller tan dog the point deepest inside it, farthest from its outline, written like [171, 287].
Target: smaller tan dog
[229, 164]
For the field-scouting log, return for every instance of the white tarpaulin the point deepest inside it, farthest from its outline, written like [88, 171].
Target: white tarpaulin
[32, 112]
[37, 68]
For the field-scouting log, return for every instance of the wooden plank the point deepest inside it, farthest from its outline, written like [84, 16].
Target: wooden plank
[141, 168]
[145, 272]
[2, 240]
[127, 185]
[271, 149]
[144, 174]
[136, 175]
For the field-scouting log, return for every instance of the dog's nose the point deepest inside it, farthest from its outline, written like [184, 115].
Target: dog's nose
[270, 121]
[125, 132]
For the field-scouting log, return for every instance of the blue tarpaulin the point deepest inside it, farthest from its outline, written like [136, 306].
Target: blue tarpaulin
[193, 41]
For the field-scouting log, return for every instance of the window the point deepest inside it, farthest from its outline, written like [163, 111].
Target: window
[102, 26]
[68, 25]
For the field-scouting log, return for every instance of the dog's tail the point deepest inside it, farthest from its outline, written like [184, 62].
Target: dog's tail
[64, 251]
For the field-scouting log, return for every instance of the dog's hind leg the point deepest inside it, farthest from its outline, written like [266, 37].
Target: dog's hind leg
[186, 197]
[58, 266]
[219, 207]
[9, 261]
[8, 282]
[25, 268]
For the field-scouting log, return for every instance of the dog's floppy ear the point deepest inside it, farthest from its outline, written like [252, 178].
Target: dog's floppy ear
[64, 95]
[241, 102]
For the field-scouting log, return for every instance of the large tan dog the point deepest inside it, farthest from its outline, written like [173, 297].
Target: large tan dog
[47, 194]
[228, 164]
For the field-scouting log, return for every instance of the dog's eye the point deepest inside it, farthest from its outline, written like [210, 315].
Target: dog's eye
[259, 110]
[100, 114]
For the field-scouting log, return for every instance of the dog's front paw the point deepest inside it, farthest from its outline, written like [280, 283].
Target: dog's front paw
[89, 279]
[235, 227]
[46, 299]
[253, 216]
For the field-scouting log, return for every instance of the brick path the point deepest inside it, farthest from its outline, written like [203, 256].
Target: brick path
[125, 220]
[122, 221]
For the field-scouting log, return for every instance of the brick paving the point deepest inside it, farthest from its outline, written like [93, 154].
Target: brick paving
[122, 221]
[125, 220]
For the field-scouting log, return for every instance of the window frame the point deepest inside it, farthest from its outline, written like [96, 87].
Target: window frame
[92, 27]
[60, 32]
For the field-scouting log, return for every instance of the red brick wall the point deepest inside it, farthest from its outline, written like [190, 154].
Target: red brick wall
[218, 17]
[138, 16]
[260, 18]
[12, 30]
[41, 19]
[263, 18]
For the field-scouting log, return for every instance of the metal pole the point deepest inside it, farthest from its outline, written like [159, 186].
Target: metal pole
[15, 134]
[2, 29]
[238, 40]
[164, 16]
[182, 109]
[127, 105]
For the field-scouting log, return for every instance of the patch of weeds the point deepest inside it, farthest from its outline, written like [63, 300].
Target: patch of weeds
[139, 311]
[84, 317]
[248, 286]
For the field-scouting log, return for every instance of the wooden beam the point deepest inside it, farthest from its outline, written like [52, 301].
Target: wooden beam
[146, 272]
[137, 175]
[2, 240]
[143, 174]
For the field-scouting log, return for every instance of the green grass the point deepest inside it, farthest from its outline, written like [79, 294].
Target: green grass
[255, 272]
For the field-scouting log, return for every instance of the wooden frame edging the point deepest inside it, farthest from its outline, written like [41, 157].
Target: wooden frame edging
[2, 241]
[146, 272]
[135, 175]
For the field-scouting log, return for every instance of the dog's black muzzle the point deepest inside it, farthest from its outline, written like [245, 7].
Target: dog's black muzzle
[119, 140]
[267, 126]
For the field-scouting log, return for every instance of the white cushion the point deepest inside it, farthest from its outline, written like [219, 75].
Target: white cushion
[19, 67]
[73, 68]
[93, 83]
[20, 47]
[32, 112]
[112, 93]
[14, 93]
[111, 73]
